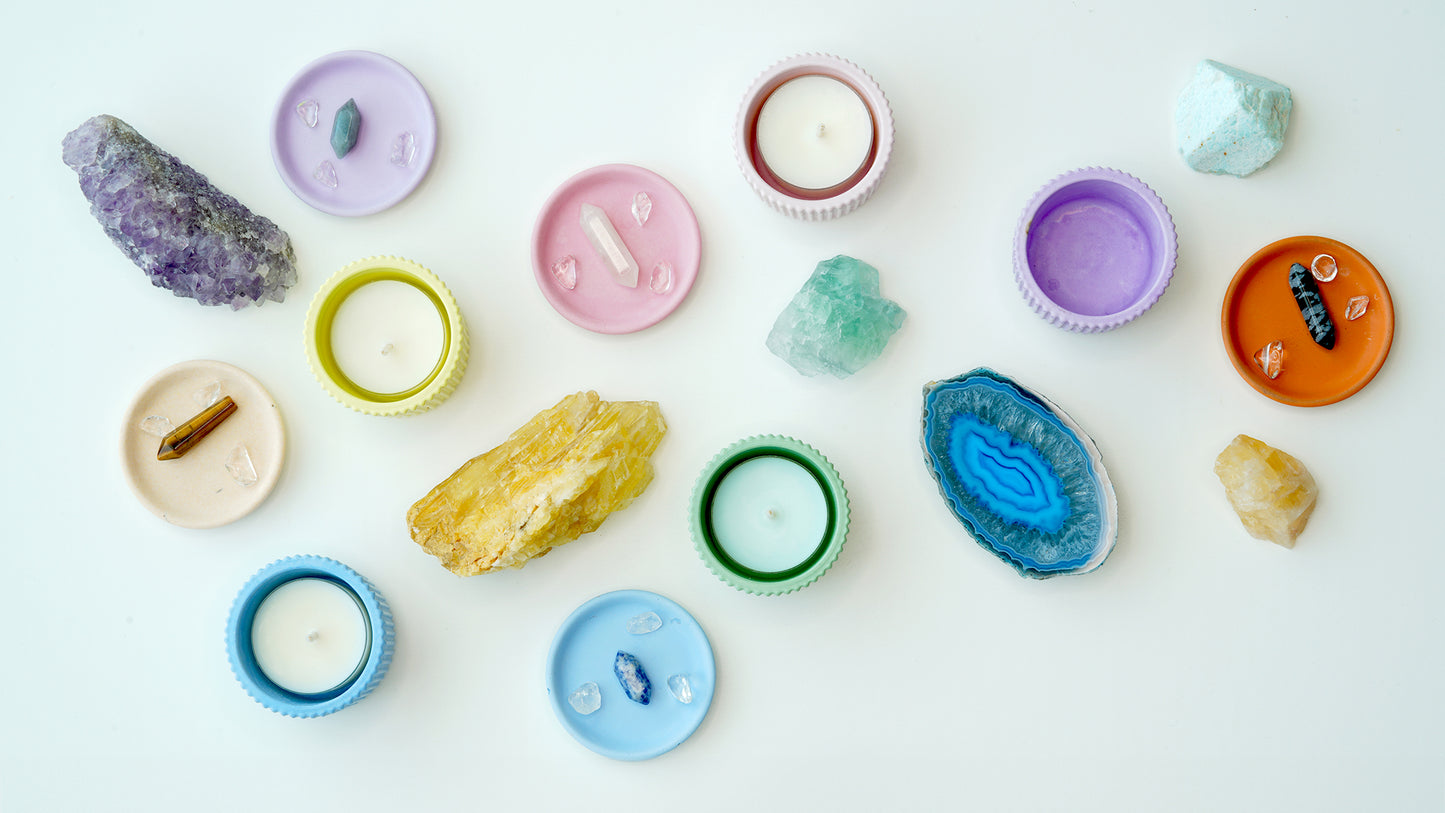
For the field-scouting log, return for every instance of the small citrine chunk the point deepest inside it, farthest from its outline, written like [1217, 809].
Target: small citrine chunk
[1272, 492]
[556, 478]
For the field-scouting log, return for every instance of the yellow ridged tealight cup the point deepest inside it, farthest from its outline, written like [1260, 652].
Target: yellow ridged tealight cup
[432, 387]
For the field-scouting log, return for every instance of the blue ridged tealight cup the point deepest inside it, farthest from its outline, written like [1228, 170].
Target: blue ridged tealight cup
[370, 671]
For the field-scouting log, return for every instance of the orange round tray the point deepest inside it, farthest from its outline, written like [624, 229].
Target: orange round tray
[1259, 308]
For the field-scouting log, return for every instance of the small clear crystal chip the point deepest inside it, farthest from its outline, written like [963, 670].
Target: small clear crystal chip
[680, 687]
[585, 699]
[565, 272]
[1356, 307]
[641, 208]
[1324, 267]
[643, 623]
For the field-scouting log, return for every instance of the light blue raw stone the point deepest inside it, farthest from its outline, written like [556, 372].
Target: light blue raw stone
[838, 322]
[1229, 122]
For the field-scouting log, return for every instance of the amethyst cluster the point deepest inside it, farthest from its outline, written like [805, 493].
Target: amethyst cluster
[188, 236]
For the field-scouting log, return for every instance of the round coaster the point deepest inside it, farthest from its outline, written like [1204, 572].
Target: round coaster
[197, 490]
[391, 102]
[1259, 308]
[584, 650]
[669, 234]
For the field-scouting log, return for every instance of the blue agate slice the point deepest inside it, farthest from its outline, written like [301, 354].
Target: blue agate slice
[1026, 482]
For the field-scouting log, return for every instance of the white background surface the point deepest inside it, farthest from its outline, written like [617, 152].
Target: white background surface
[1199, 669]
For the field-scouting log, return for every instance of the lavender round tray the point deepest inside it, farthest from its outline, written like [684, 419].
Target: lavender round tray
[1095, 248]
[391, 101]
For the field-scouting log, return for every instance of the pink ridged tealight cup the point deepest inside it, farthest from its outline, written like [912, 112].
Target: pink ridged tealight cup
[813, 204]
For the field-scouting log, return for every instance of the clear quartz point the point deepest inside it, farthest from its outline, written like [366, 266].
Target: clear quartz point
[643, 623]
[585, 699]
[1356, 307]
[1324, 267]
[157, 425]
[326, 174]
[207, 395]
[565, 272]
[608, 244]
[403, 150]
[240, 467]
[1270, 359]
[661, 281]
[680, 687]
[641, 208]
[309, 111]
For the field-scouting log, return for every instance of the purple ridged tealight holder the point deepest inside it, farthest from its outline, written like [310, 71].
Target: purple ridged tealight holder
[1095, 248]
[813, 204]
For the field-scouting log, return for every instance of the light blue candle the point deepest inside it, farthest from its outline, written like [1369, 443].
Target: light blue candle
[769, 514]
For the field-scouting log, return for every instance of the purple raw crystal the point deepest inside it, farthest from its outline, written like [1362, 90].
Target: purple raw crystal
[188, 236]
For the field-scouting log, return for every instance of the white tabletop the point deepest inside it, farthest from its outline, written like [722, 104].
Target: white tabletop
[1198, 669]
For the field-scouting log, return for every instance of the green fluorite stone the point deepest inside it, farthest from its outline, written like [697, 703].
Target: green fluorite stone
[345, 128]
[838, 322]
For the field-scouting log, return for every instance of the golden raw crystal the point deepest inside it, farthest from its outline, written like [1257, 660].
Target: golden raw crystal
[553, 480]
[1272, 492]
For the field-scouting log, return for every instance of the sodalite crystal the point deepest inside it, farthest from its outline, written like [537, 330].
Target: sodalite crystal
[838, 322]
[1020, 475]
[188, 236]
[1229, 122]
[632, 677]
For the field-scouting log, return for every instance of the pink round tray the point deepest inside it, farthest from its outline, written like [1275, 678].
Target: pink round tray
[598, 303]
[391, 102]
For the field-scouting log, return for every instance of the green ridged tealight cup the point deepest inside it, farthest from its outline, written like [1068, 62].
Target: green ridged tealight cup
[769, 515]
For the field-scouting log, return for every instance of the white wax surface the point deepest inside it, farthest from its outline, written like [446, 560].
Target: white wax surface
[814, 132]
[769, 514]
[309, 635]
[387, 336]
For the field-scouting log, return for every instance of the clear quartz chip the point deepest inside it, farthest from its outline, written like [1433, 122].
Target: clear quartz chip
[403, 150]
[661, 281]
[309, 111]
[207, 395]
[1324, 267]
[158, 425]
[1270, 359]
[608, 244]
[641, 208]
[680, 687]
[586, 698]
[240, 467]
[326, 174]
[643, 623]
[1356, 307]
[565, 272]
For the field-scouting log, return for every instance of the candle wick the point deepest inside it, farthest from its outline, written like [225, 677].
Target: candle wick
[387, 348]
[313, 636]
[821, 130]
[772, 513]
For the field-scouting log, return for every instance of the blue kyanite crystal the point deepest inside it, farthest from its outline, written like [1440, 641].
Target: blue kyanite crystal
[838, 322]
[345, 128]
[188, 236]
[633, 679]
[1019, 474]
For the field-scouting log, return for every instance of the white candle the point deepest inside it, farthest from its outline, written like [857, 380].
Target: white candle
[309, 635]
[769, 514]
[814, 132]
[387, 336]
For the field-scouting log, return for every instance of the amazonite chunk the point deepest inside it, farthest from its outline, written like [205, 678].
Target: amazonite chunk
[838, 322]
[345, 128]
[1229, 122]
